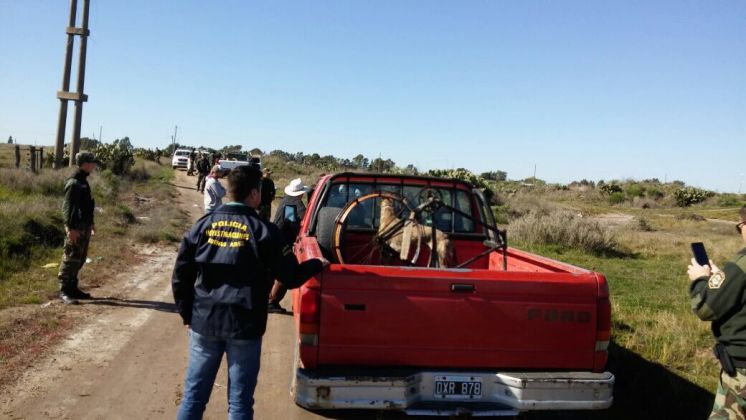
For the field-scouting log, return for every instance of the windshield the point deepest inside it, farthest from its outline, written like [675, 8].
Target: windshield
[182, 153]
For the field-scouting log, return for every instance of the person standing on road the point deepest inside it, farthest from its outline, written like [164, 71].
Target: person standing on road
[203, 169]
[214, 191]
[718, 296]
[221, 281]
[77, 213]
[191, 162]
[287, 218]
[268, 195]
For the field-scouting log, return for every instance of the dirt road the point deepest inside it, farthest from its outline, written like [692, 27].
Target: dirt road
[128, 360]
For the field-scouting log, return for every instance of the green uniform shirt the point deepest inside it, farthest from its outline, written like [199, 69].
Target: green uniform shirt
[77, 209]
[721, 299]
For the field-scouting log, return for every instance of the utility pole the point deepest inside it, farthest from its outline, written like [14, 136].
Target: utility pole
[173, 138]
[100, 129]
[78, 118]
[65, 95]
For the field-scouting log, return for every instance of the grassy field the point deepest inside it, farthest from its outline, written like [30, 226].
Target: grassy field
[660, 352]
[129, 210]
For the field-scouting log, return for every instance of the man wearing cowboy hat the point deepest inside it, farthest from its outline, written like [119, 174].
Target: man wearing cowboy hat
[287, 217]
[268, 194]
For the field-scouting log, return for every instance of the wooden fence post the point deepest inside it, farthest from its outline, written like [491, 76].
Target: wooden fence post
[32, 158]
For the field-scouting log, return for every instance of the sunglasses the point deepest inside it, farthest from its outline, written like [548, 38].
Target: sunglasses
[740, 226]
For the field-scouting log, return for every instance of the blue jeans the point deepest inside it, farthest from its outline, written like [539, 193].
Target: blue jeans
[205, 355]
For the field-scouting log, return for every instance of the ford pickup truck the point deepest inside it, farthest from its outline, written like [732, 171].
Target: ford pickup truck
[492, 330]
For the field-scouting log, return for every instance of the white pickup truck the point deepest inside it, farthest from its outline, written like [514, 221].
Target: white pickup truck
[180, 158]
[231, 163]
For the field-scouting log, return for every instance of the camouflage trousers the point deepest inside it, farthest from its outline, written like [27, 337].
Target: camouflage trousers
[201, 179]
[73, 258]
[730, 400]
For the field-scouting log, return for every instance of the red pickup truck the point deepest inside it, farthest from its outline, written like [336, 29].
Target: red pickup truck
[390, 324]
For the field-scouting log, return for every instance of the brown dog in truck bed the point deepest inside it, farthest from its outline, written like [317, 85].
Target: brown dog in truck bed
[414, 233]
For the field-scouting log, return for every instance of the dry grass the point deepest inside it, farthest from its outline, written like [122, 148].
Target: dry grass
[566, 229]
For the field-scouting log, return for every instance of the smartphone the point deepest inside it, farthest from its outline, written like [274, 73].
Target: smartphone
[289, 214]
[700, 255]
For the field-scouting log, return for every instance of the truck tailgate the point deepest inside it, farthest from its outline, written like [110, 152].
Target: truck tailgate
[400, 316]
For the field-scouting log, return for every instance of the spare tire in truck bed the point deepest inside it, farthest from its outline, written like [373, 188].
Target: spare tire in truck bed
[325, 230]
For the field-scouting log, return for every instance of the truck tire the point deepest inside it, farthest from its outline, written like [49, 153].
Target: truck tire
[325, 231]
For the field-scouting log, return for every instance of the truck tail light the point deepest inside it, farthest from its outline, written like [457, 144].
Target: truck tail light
[308, 327]
[310, 315]
[603, 326]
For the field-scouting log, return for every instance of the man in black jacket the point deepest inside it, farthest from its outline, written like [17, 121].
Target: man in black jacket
[268, 195]
[224, 270]
[288, 216]
[77, 212]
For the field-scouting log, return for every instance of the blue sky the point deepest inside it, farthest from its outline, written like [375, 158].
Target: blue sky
[592, 89]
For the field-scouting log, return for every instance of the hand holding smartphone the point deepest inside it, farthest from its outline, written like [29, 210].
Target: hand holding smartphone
[700, 255]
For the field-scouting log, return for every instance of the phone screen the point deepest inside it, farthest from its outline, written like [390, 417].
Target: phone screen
[700, 255]
[289, 214]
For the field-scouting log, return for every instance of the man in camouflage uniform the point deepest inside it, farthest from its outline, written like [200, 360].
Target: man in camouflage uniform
[192, 161]
[203, 169]
[77, 211]
[717, 296]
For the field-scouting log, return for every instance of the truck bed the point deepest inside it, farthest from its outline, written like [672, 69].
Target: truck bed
[537, 314]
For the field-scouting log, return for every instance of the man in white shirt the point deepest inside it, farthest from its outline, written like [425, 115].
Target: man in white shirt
[214, 191]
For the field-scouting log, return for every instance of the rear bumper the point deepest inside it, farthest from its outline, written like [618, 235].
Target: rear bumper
[503, 393]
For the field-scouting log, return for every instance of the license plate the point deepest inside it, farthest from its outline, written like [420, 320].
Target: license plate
[458, 387]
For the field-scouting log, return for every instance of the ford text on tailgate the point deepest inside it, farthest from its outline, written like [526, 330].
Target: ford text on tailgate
[426, 309]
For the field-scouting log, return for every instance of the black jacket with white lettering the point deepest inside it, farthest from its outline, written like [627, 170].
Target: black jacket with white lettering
[225, 269]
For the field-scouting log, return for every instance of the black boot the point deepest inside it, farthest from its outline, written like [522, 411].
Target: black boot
[79, 294]
[275, 308]
[67, 298]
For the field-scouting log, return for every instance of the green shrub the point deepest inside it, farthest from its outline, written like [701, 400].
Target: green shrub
[610, 188]
[118, 157]
[689, 195]
[654, 193]
[729, 200]
[616, 197]
[635, 190]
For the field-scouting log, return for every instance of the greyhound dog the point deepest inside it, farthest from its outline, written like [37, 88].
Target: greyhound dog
[413, 233]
